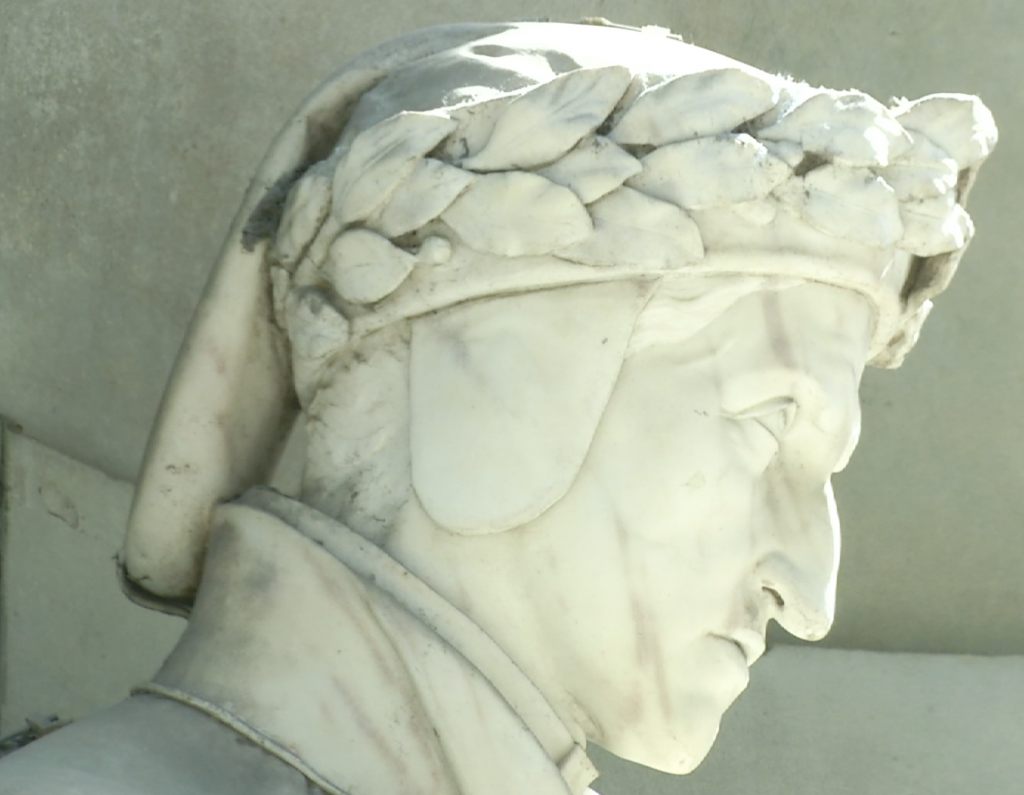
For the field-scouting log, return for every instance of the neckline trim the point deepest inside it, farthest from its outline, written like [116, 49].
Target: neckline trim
[374, 565]
[243, 728]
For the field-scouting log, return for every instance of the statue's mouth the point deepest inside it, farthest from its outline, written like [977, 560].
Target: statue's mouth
[749, 642]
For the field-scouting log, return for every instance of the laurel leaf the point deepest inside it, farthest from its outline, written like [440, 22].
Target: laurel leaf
[934, 226]
[474, 123]
[545, 122]
[636, 230]
[695, 106]
[792, 154]
[364, 267]
[380, 158]
[711, 172]
[593, 168]
[329, 231]
[518, 214]
[923, 172]
[307, 206]
[422, 197]
[958, 123]
[846, 202]
[842, 125]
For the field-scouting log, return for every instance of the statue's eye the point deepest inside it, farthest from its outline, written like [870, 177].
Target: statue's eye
[775, 416]
[761, 429]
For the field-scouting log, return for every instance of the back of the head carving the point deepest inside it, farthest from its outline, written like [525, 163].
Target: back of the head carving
[494, 170]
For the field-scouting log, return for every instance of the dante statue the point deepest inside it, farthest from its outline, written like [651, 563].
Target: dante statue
[574, 318]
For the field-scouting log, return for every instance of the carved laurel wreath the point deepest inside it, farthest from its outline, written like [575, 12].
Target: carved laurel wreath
[596, 169]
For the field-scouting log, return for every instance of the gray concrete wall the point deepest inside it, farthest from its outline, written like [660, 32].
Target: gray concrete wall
[835, 722]
[70, 642]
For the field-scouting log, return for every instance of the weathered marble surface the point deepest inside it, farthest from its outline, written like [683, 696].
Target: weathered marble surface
[576, 317]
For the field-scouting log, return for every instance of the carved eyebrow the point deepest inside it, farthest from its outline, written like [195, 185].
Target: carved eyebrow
[807, 396]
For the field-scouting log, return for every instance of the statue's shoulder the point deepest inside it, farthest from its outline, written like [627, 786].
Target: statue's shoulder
[146, 746]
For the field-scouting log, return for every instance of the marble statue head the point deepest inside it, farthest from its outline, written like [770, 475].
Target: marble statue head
[575, 317]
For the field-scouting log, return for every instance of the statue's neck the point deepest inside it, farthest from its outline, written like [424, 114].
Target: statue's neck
[339, 678]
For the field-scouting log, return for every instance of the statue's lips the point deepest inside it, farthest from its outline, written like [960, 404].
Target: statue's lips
[729, 674]
[749, 643]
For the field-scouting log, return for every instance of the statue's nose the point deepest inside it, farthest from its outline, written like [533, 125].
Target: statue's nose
[798, 575]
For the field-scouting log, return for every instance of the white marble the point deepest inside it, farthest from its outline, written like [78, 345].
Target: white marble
[701, 510]
[320, 657]
[593, 168]
[695, 106]
[705, 173]
[575, 318]
[565, 109]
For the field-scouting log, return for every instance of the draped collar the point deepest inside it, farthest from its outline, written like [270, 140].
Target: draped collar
[328, 653]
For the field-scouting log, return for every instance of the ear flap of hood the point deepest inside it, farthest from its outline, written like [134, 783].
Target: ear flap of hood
[506, 395]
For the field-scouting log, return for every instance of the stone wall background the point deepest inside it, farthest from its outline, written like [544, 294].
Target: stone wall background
[70, 642]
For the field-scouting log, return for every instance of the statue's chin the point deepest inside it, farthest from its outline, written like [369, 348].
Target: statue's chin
[676, 750]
